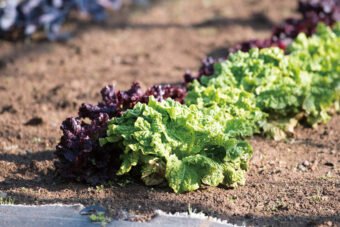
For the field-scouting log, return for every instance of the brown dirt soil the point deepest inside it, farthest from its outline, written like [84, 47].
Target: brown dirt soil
[42, 83]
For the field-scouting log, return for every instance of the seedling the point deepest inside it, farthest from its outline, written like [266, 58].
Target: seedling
[6, 201]
[191, 211]
[100, 217]
[317, 196]
[99, 188]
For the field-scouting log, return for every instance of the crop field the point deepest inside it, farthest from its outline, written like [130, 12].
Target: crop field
[229, 108]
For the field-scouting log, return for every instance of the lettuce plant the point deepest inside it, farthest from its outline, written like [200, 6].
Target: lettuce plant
[303, 85]
[317, 60]
[183, 146]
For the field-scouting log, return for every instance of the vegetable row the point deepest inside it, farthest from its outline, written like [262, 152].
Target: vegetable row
[185, 136]
[203, 140]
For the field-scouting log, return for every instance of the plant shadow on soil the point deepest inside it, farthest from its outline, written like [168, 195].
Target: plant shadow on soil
[257, 21]
[120, 20]
[37, 182]
[31, 169]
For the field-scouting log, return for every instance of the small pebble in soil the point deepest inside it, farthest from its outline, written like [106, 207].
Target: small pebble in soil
[325, 198]
[301, 167]
[92, 210]
[329, 223]
[315, 164]
[306, 163]
[333, 152]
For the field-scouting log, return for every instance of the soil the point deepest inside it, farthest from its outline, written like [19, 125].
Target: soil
[290, 183]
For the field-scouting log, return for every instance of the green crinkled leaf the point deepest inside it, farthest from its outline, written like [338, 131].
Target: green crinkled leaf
[188, 174]
[237, 104]
[232, 175]
[129, 160]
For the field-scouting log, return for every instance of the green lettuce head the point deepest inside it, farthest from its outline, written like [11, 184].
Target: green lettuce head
[183, 146]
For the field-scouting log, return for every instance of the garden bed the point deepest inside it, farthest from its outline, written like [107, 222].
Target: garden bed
[296, 181]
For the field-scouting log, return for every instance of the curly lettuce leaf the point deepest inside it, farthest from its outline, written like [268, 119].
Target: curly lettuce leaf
[239, 104]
